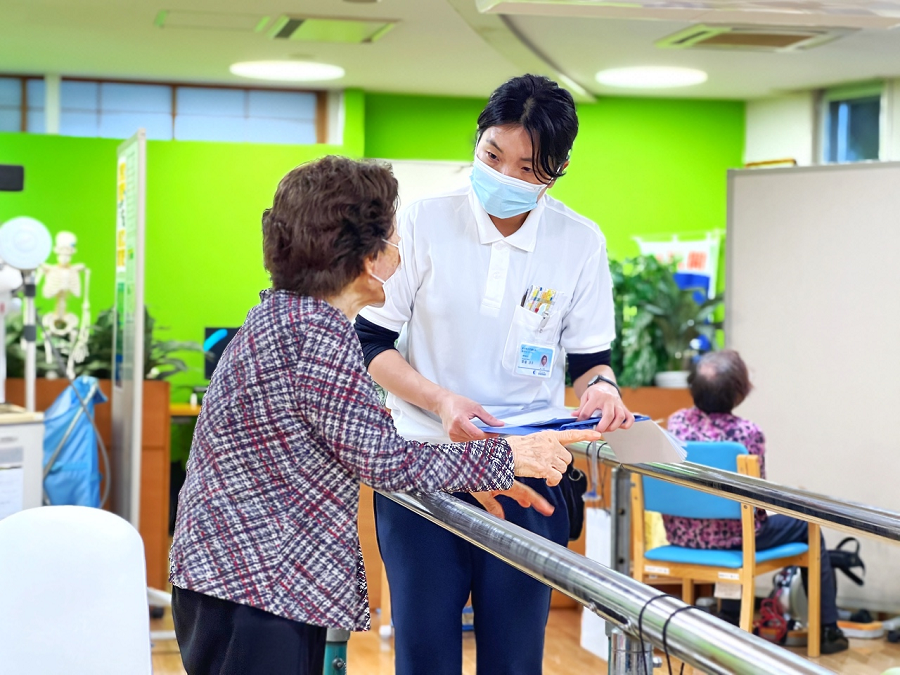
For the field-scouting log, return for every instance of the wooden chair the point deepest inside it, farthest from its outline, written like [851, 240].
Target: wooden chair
[702, 565]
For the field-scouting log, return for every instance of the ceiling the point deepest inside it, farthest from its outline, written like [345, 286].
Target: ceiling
[445, 46]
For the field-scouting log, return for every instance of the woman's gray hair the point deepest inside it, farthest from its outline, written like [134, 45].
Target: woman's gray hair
[719, 381]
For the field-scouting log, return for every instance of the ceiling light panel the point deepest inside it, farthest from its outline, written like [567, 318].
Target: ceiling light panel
[650, 77]
[287, 71]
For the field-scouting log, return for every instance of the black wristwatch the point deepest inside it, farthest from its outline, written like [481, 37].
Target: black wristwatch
[599, 378]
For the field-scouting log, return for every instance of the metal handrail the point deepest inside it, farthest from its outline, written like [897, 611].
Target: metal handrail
[695, 637]
[809, 506]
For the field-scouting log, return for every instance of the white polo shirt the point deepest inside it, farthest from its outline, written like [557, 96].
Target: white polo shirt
[456, 299]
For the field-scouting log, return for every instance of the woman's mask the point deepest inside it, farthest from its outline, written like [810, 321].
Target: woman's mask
[375, 276]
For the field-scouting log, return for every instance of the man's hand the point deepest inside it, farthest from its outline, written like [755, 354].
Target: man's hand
[613, 413]
[524, 495]
[456, 414]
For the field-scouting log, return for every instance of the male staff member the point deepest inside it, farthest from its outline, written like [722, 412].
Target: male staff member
[510, 282]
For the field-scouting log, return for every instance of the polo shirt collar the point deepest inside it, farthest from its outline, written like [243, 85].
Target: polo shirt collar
[524, 238]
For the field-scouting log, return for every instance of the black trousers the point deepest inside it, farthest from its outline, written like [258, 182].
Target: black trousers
[779, 530]
[218, 637]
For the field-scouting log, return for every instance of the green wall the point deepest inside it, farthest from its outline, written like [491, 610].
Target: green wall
[204, 206]
[421, 127]
[639, 167]
[69, 185]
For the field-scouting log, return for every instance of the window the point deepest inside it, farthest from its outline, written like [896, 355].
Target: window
[251, 115]
[852, 123]
[114, 110]
[166, 111]
[20, 95]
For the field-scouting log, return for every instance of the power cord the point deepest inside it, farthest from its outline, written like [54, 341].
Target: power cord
[665, 632]
[643, 661]
[665, 638]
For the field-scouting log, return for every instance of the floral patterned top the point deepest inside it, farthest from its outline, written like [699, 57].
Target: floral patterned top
[692, 424]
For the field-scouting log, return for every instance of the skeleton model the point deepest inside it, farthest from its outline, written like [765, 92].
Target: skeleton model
[60, 281]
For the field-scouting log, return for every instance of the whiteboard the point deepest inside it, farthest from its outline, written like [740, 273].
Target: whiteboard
[419, 179]
[813, 306]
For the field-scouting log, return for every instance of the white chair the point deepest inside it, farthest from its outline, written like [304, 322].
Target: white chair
[73, 594]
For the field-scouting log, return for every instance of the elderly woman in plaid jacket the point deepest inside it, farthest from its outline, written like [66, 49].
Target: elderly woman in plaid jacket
[266, 551]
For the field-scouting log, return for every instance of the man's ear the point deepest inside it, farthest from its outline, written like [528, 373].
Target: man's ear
[553, 182]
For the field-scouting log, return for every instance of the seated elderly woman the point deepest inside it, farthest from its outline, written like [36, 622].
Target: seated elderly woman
[266, 551]
[719, 383]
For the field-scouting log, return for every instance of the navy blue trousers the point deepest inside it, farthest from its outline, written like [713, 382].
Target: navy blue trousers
[431, 574]
[779, 530]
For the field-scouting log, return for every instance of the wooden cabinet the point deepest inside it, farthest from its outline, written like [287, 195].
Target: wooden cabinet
[154, 514]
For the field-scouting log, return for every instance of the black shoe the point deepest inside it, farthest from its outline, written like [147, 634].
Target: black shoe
[833, 640]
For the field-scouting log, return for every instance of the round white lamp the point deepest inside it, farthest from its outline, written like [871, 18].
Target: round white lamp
[25, 244]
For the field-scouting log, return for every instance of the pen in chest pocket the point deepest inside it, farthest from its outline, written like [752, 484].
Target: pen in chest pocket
[538, 300]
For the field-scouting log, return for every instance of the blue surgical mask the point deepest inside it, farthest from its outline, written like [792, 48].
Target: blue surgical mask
[503, 196]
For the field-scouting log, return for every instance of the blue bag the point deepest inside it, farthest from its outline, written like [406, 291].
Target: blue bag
[74, 478]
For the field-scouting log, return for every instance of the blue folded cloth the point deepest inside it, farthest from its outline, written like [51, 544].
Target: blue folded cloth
[556, 424]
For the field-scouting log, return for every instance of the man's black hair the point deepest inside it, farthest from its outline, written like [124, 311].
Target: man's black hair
[545, 110]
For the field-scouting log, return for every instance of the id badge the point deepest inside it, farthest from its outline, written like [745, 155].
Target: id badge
[535, 360]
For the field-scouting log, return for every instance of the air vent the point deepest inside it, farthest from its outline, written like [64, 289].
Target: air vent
[752, 38]
[347, 31]
[218, 21]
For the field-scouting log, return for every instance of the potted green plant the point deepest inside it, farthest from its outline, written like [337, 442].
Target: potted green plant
[638, 352]
[659, 324]
[159, 362]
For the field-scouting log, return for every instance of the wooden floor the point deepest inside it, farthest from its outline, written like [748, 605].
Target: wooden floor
[370, 655]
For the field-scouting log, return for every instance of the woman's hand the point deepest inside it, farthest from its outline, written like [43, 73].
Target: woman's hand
[605, 398]
[523, 494]
[456, 414]
[544, 455]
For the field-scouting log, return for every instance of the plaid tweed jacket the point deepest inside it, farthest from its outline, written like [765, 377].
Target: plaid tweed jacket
[290, 426]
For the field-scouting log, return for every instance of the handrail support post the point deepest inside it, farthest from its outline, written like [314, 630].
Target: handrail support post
[620, 521]
[628, 656]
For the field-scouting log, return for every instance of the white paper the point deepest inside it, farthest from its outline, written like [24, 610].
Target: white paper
[645, 442]
[597, 547]
[515, 417]
[12, 489]
[727, 591]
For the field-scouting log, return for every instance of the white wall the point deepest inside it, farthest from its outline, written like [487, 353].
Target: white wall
[781, 128]
[419, 179]
[812, 292]
[785, 127]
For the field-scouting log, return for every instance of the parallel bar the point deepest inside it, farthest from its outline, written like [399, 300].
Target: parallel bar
[810, 506]
[695, 637]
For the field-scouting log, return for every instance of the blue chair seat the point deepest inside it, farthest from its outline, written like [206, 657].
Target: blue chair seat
[712, 558]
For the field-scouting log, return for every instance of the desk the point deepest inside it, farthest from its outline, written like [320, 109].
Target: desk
[155, 452]
[183, 413]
